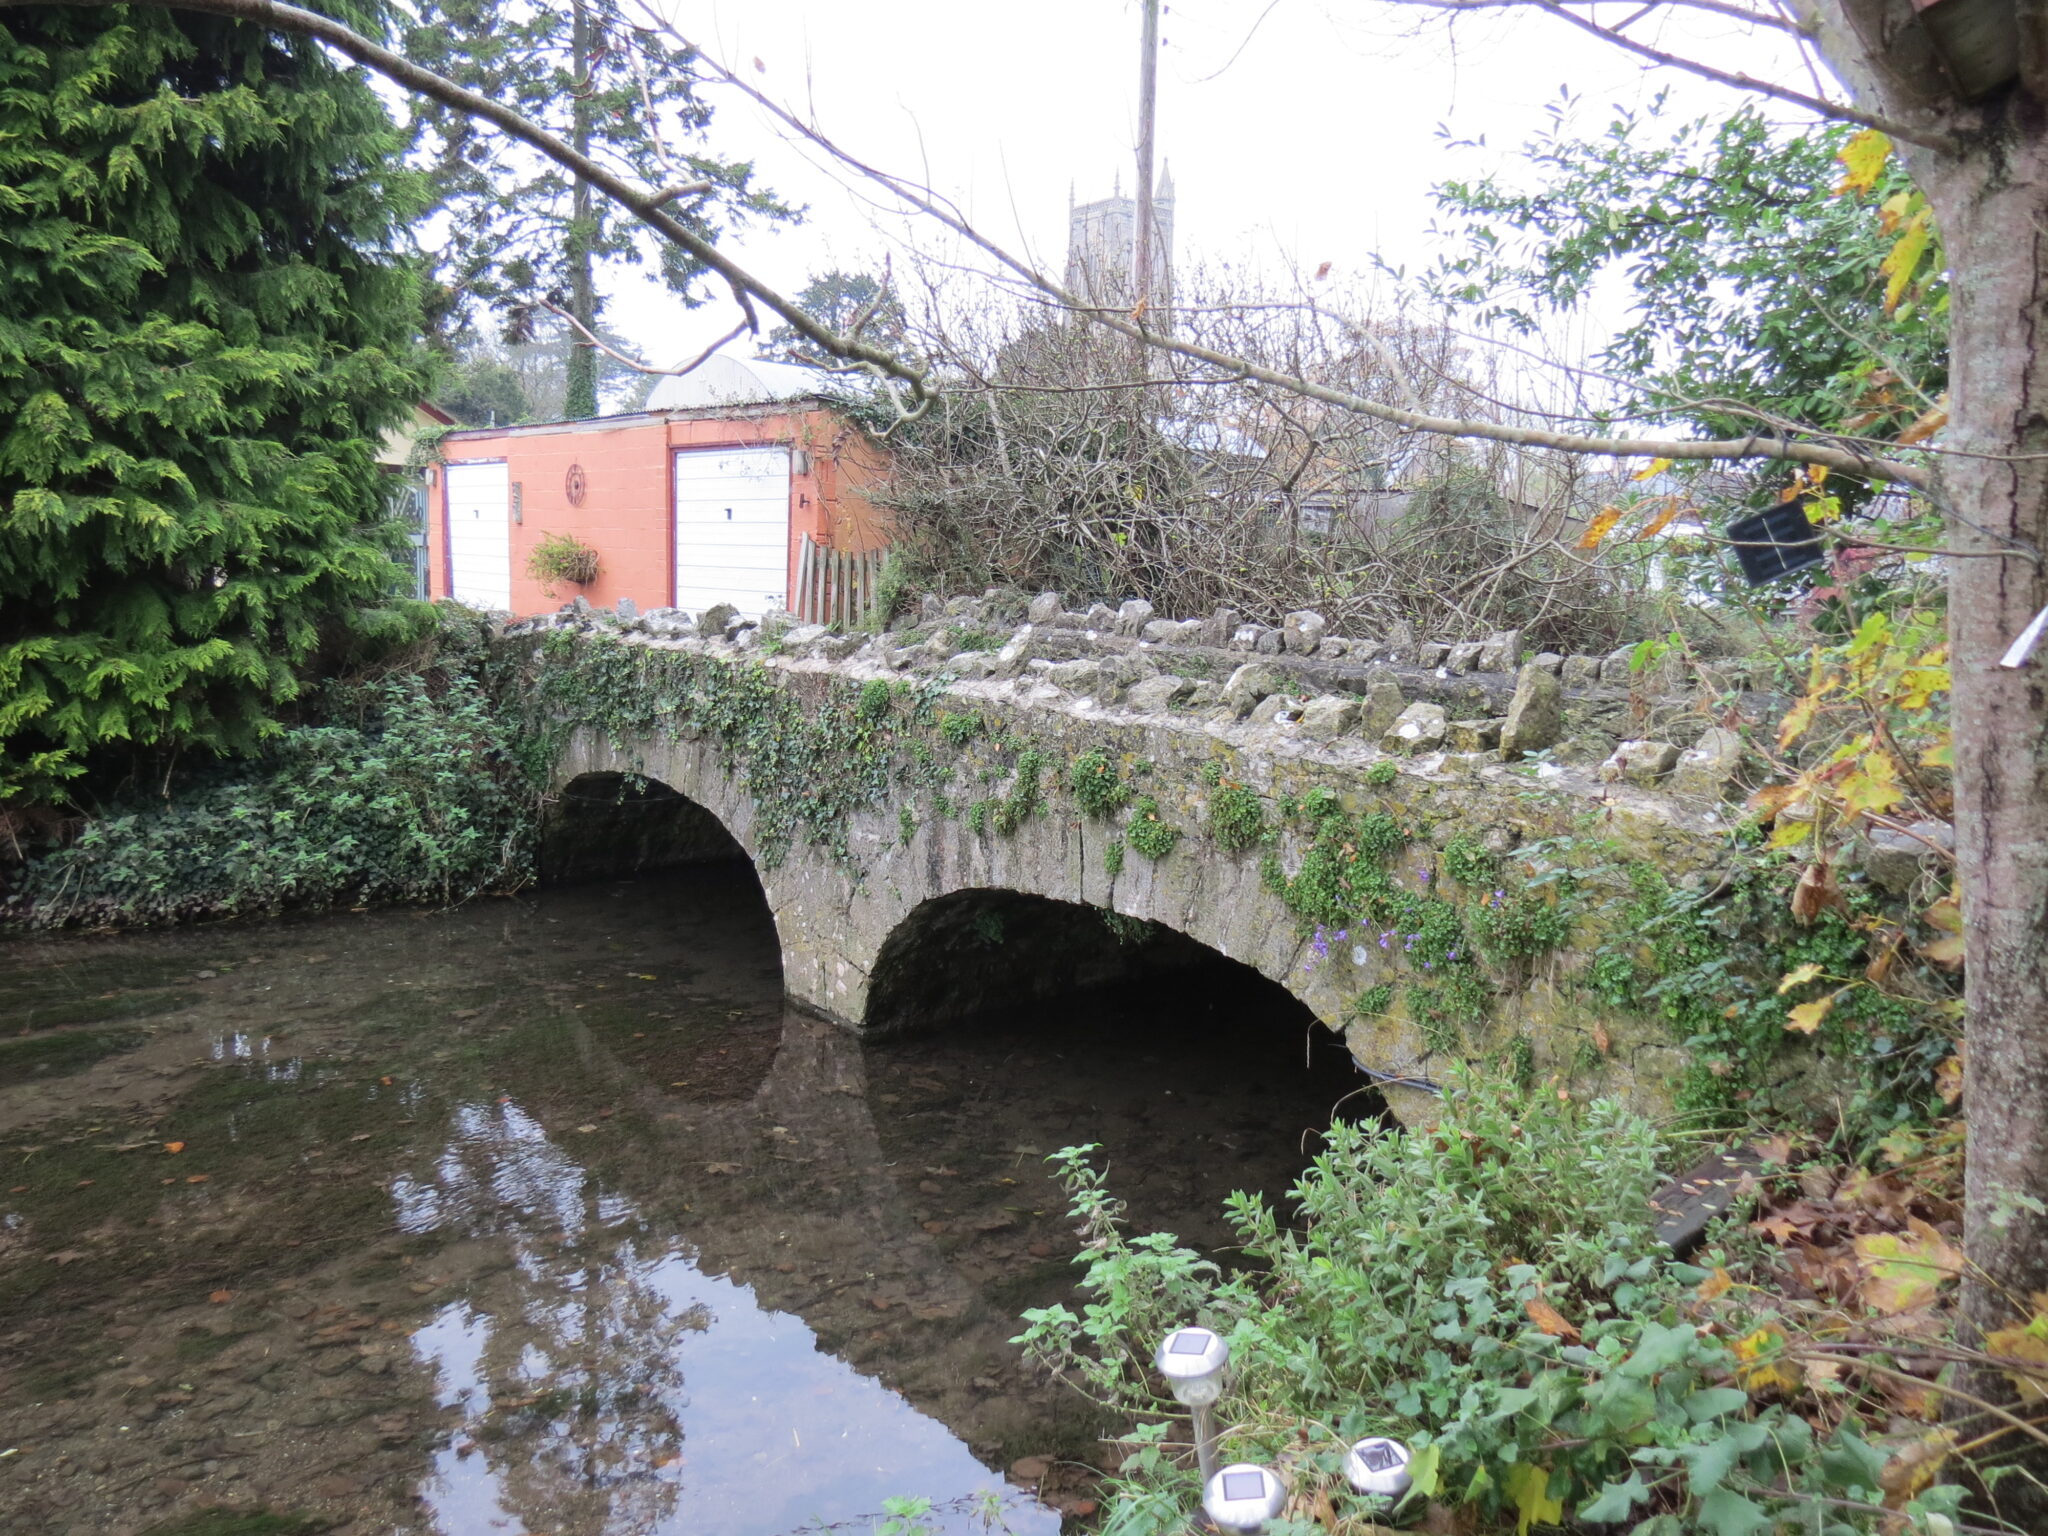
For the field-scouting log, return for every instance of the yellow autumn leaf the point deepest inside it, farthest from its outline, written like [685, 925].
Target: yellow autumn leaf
[1919, 684]
[1913, 1466]
[1651, 470]
[1948, 1079]
[1799, 976]
[1903, 259]
[1941, 754]
[1602, 524]
[1872, 786]
[1862, 158]
[1790, 833]
[1904, 1270]
[1927, 423]
[1656, 525]
[1760, 1365]
[1715, 1285]
[1797, 719]
[1807, 1017]
[2023, 1349]
[1529, 1486]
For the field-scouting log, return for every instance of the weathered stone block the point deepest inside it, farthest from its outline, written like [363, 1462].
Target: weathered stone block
[1421, 727]
[1248, 684]
[1303, 631]
[803, 635]
[1581, 671]
[628, 609]
[1615, 668]
[1132, 618]
[1044, 608]
[1383, 702]
[1502, 651]
[712, 622]
[1276, 709]
[1431, 655]
[1401, 644]
[1330, 716]
[837, 647]
[1463, 657]
[1712, 767]
[1078, 677]
[1535, 714]
[1472, 735]
[1246, 636]
[963, 608]
[1640, 762]
[930, 608]
[1549, 661]
[1161, 692]
[1333, 649]
[1896, 860]
[1099, 617]
[1161, 631]
[1269, 643]
[1219, 627]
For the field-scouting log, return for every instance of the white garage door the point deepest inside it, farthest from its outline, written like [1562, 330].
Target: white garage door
[732, 528]
[480, 535]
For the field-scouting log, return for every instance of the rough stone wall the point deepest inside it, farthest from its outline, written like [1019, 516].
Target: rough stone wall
[1179, 719]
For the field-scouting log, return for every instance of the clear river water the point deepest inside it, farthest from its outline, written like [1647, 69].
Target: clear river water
[546, 1215]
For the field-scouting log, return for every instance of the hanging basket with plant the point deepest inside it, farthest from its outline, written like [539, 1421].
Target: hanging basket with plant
[561, 558]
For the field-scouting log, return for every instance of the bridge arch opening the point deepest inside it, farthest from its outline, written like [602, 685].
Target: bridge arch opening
[1013, 1025]
[610, 826]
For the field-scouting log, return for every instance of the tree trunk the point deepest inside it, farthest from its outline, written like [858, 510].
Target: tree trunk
[1991, 204]
[580, 399]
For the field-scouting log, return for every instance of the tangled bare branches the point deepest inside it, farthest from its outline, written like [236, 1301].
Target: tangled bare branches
[1061, 455]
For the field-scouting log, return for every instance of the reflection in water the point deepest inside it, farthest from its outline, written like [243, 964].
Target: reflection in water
[569, 1372]
[552, 1218]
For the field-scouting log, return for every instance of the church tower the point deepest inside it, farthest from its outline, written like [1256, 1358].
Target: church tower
[1102, 238]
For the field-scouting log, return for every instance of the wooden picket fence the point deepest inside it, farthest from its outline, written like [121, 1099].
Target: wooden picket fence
[834, 586]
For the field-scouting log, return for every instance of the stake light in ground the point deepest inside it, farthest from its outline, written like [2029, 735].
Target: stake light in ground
[1243, 1497]
[1194, 1362]
[1378, 1468]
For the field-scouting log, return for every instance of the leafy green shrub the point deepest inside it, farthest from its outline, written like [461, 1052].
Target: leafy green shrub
[1237, 818]
[1113, 857]
[906, 826]
[1149, 833]
[208, 330]
[1381, 774]
[1024, 799]
[1099, 786]
[423, 800]
[1374, 1001]
[561, 559]
[1515, 925]
[960, 726]
[1489, 1290]
[1470, 863]
[875, 699]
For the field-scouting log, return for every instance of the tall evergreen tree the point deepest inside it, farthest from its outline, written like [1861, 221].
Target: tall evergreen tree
[518, 229]
[204, 331]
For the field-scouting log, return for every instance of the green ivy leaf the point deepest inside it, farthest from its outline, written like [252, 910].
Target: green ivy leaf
[1614, 1501]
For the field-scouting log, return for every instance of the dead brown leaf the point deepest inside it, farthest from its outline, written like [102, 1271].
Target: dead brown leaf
[1549, 1320]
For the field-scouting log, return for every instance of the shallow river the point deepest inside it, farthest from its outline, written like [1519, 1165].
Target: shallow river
[548, 1216]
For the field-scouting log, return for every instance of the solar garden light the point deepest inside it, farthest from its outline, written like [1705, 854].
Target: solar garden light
[1378, 1467]
[1193, 1361]
[1243, 1497]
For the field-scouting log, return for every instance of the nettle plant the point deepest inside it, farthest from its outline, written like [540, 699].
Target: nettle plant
[1491, 1291]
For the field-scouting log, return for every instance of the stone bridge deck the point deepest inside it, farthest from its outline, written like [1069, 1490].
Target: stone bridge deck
[936, 831]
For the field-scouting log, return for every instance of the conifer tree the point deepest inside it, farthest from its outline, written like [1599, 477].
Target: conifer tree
[204, 330]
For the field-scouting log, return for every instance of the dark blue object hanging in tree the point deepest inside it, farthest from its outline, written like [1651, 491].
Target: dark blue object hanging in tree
[1775, 543]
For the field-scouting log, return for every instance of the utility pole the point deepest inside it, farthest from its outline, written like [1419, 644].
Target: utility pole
[580, 398]
[1148, 103]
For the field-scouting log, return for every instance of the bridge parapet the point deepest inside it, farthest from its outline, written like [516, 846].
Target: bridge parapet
[1431, 896]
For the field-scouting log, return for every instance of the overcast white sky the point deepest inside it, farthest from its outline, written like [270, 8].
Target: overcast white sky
[1298, 133]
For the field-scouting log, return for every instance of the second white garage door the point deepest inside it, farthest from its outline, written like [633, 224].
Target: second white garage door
[480, 535]
[732, 528]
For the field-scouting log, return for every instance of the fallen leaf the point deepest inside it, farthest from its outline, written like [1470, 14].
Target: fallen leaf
[1602, 1041]
[1948, 1079]
[197, 1178]
[1760, 1364]
[1904, 1270]
[1816, 892]
[1807, 1017]
[586, 1129]
[174, 1146]
[720, 1167]
[221, 1298]
[2023, 1350]
[386, 1081]
[1549, 1320]
[1798, 976]
[1913, 1467]
[1715, 1285]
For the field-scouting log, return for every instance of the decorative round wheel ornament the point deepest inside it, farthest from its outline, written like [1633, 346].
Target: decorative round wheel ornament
[575, 485]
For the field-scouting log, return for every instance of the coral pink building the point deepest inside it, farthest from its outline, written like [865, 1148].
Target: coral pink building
[707, 496]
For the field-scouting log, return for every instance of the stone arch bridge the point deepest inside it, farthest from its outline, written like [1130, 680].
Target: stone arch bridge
[938, 831]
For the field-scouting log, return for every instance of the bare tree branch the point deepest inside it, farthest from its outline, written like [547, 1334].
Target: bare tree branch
[591, 338]
[644, 204]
